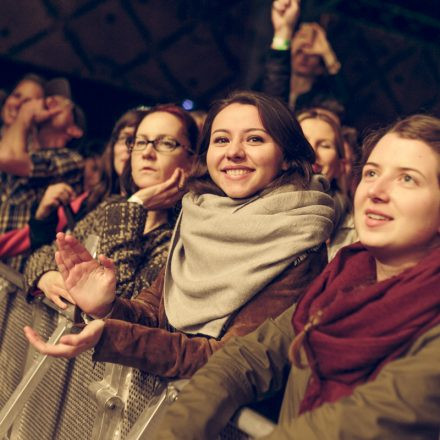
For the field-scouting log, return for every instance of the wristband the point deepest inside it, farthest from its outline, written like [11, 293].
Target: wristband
[279, 43]
[135, 199]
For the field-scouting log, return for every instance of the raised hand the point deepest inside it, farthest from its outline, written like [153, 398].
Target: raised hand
[164, 195]
[34, 111]
[52, 285]
[59, 193]
[284, 16]
[69, 345]
[91, 283]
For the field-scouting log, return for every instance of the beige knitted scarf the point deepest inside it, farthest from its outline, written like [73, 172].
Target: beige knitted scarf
[224, 251]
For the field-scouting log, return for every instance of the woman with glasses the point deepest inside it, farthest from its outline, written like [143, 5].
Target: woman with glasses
[248, 241]
[139, 250]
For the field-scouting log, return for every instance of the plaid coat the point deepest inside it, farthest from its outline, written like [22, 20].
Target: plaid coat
[18, 194]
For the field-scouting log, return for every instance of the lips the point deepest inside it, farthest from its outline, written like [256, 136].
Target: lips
[375, 218]
[237, 171]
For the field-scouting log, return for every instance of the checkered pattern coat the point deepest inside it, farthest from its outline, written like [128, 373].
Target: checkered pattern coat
[19, 194]
[119, 225]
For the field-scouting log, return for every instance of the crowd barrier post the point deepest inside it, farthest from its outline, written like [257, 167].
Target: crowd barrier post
[31, 379]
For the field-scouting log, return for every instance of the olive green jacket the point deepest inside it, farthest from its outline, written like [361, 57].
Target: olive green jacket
[403, 402]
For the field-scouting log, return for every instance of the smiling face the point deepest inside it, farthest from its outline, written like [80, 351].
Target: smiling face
[150, 167]
[321, 137]
[397, 203]
[25, 91]
[242, 157]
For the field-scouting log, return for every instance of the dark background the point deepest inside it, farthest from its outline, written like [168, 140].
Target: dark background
[119, 54]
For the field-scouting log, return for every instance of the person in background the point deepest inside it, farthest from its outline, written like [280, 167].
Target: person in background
[250, 237]
[29, 167]
[301, 68]
[324, 132]
[28, 87]
[364, 341]
[135, 236]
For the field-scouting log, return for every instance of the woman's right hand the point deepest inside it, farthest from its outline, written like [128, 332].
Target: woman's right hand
[91, 284]
[52, 285]
[164, 195]
[59, 193]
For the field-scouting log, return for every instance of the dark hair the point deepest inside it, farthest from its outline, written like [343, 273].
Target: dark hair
[191, 132]
[130, 118]
[281, 126]
[419, 127]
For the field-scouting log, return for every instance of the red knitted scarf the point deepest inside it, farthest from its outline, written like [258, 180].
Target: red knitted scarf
[362, 324]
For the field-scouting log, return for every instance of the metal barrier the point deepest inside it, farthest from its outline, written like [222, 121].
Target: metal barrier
[48, 398]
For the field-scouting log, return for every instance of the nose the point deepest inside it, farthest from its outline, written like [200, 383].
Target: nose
[235, 150]
[149, 151]
[379, 190]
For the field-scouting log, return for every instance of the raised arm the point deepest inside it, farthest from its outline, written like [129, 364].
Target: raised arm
[14, 156]
[277, 68]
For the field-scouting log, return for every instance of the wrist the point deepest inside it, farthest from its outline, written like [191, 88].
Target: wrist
[280, 43]
[103, 312]
[331, 62]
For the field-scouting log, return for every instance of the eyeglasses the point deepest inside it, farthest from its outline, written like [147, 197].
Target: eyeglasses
[162, 144]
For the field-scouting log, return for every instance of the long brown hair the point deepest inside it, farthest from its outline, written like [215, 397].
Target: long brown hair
[281, 126]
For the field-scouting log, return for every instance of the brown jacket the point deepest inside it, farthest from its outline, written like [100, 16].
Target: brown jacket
[138, 333]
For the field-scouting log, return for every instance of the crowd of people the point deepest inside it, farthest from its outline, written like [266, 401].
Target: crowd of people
[264, 239]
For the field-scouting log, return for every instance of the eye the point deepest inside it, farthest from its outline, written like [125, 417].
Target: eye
[254, 139]
[369, 173]
[220, 140]
[326, 145]
[407, 178]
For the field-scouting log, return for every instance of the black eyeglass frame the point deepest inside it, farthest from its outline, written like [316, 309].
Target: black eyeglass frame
[130, 142]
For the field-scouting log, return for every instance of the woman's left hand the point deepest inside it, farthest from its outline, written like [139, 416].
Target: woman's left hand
[69, 346]
[164, 195]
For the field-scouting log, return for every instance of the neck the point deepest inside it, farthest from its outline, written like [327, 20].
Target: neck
[387, 267]
[155, 219]
[300, 84]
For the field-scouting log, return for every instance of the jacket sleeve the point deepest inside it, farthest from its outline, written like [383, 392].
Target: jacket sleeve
[122, 241]
[277, 70]
[246, 369]
[132, 338]
[43, 260]
[402, 403]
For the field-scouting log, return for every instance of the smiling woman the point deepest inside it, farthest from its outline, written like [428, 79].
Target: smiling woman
[248, 241]
[363, 343]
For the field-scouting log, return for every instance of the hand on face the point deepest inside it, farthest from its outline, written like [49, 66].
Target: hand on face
[152, 168]
[91, 284]
[35, 111]
[69, 346]
[25, 91]
[164, 195]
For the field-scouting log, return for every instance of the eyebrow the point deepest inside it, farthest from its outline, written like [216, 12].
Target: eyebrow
[374, 164]
[224, 130]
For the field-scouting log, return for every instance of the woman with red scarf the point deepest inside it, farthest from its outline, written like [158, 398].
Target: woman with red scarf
[363, 344]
